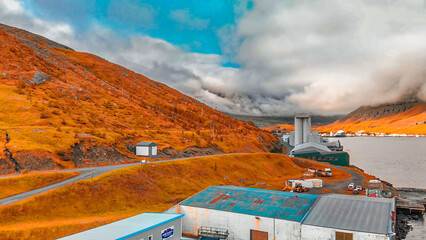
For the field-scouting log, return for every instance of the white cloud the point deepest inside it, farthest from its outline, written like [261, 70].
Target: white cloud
[336, 55]
[324, 56]
[13, 13]
[187, 20]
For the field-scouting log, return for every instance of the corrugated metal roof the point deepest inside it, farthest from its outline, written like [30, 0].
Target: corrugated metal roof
[258, 202]
[355, 213]
[126, 228]
[310, 147]
[146, 144]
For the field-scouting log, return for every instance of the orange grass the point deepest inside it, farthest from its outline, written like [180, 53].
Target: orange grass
[10, 186]
[109, 104]
[146, 188]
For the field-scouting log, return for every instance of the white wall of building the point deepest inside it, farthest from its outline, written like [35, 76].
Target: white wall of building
[238, 224]
[154, 150]
[322, 233]
[142, 151]
[286, 230]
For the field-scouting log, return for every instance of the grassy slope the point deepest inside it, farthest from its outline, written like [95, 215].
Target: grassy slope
[144, 188]
[14, 185]
[401, 123]
[91, 96]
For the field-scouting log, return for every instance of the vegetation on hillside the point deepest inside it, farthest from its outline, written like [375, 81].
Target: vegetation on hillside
[411, 121]
[143, 188]
[52, 97]
[10, 186]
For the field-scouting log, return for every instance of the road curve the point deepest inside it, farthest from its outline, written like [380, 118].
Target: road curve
[85, 173]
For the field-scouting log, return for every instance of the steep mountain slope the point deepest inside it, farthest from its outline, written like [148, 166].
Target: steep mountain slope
[404, 117]
[65, 109]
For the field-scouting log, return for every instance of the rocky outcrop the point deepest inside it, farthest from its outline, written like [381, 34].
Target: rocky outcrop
[190, 152]
[39, 78]
[16, 166]
[83, 154]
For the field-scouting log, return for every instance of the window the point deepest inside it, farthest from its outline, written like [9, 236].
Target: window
[258, 235]
[344, 236]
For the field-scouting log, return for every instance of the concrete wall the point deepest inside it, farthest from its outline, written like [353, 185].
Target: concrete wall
[286, 230]
[142, 151]
[298, 131]
[156, 232]
[321, 233]
[302, 129]
[239, 225]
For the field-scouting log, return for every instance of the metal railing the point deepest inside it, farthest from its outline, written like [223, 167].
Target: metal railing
[212, 233]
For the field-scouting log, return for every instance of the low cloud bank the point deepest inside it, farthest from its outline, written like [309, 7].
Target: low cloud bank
[325, 57]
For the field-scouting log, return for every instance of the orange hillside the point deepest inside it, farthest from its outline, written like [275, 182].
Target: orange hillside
[143, 188]
[18, 184]
[411, 121]
[58, 104]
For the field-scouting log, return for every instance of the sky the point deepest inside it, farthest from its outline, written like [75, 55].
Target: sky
[252, 57]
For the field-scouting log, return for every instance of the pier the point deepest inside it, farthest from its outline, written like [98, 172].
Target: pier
[411, 206]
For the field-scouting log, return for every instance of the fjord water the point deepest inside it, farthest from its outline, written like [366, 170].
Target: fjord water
[398, 160]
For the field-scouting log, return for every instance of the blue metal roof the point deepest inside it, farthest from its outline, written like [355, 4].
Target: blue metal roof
[126, 228]
[258, 202]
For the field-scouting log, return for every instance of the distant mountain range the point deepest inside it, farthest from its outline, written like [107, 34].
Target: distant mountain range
[63, 109]
[404, 117]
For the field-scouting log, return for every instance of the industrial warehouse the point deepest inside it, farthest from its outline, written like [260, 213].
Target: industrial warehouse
[258, 214]
[239, 213]
[306, 144]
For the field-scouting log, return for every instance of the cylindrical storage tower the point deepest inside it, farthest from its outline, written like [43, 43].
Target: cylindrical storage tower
[302, 128]
[306, 128]
[298, 131]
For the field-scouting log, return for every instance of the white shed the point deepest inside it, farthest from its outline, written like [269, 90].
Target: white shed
[146, 149]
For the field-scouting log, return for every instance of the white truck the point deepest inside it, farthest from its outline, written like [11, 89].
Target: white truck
[328, 172]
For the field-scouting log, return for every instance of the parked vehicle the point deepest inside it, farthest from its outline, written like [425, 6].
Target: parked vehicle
[351, 187]
[359, 188]
[298, 188]
[324, 173]
[328, 172]
[355, 191]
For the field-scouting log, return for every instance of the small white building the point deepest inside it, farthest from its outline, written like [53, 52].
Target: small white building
[146, 149]
[146, 226]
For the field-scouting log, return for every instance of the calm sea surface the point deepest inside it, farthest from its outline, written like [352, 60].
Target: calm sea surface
[398, 160]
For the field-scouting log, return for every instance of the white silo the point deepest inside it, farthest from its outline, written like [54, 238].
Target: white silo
[302, 128]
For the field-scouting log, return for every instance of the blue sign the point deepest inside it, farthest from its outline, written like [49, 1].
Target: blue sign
[166, 233]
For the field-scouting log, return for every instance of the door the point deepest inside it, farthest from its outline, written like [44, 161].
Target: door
[344, 236]
[258, 235]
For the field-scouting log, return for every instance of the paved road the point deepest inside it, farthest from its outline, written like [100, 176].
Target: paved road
[85, 173]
